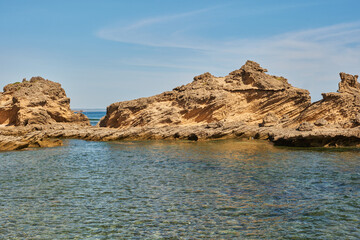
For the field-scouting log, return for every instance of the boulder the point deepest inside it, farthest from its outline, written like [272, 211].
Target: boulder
[320, 122]
[305, 126]
[37, 101]
[270, 120]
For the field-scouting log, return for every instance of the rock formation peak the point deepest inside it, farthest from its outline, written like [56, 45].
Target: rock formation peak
[247, 94]
[349, 84]
[339, 108]
[38, 101]
[253, 76]
[204, 76]
[252, 66]
[248, 103]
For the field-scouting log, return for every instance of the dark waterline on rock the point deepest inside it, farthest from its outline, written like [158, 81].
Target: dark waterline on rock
[163, 189]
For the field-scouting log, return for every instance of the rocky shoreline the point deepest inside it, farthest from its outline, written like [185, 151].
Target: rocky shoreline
[248, 103]
[16, 138]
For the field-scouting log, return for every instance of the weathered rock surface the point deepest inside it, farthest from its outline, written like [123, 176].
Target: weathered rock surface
[320, 122]
[248, 103]
[247, 95]
[37, 101]
[15, 138]
[305, 126]
[341, 108]
[270, 120]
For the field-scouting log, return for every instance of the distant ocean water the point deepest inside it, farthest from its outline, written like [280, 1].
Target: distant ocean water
[94, 116]
[179, 190]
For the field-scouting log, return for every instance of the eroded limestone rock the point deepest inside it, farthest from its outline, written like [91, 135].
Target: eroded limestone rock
[37, 101]
[320, 122]
[210, 107]
[270, 120]
[247, 94]
[305, 126]
[341, 108]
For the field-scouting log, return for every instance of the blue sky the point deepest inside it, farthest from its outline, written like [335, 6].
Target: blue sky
[108, 51]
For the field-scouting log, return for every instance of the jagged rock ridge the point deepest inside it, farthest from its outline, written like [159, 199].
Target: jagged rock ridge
[245, 95]
[248, 103]
[37, 101]
[341, 108]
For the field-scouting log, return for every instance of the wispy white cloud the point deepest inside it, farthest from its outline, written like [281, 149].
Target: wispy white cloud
[309, 57]
[274, 8]
[160, 19]
[145, 32]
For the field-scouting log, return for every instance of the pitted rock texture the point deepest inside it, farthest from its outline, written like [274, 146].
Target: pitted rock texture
[23, 137]
[341, 108]
[247, 95]
[305, 126]
[248, 103]
[270, 120]
[37, 101]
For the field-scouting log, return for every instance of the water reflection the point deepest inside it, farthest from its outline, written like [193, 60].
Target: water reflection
[164, 189]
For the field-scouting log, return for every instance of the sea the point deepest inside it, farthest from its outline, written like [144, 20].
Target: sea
[224, 189]
[94, 115]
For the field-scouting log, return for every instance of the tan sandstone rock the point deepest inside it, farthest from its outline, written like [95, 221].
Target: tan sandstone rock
[246, 104]
[245, 95]
[270, 120]
[37, 101]
[341, 108]
[305, 126]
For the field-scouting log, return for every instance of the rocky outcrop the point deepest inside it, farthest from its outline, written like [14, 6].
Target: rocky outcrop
[11, 143]
[248, 103]
[16, 138]
[339, 109]
[246, 95]
[37, 101]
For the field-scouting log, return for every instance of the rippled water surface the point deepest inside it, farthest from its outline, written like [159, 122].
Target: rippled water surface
[94, 116]
[179, 190]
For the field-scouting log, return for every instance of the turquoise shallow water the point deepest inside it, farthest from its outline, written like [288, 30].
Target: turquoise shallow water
[179, 190]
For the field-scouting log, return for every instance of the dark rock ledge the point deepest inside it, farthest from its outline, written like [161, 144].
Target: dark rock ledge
[15, 138]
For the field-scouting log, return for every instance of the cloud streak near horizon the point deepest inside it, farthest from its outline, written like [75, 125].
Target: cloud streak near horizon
[306, 53]
[338, 35]
[122, 50]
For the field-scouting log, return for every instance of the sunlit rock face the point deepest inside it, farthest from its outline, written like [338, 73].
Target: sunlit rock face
[37, 101]
[245, 95]
[339, 108]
